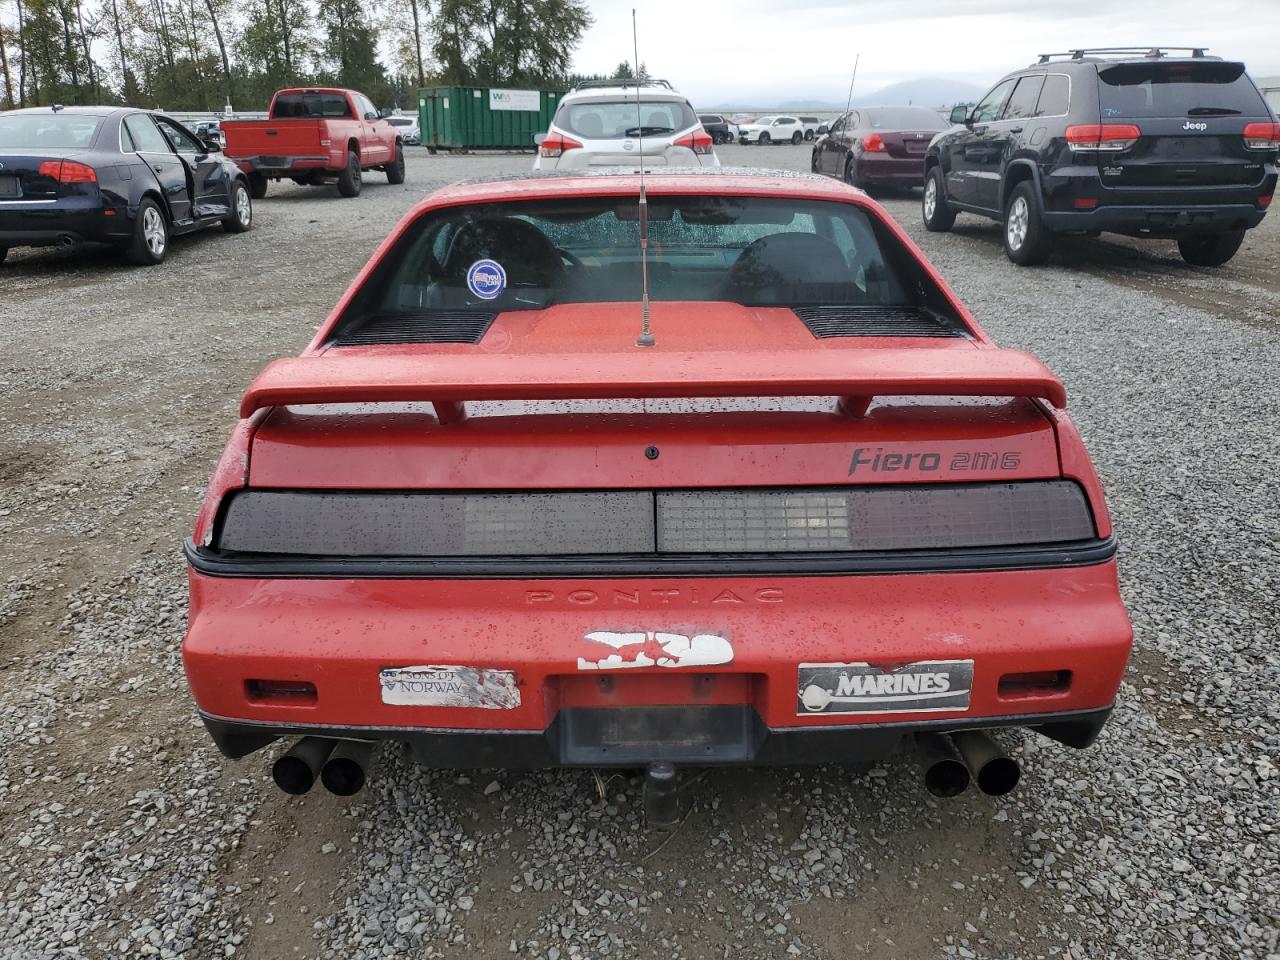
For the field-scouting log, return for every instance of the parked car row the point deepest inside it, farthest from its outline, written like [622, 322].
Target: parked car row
[1144, 142]
[134, 179]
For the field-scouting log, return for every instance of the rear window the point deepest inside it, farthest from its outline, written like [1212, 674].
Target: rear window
[310, 105]
[1213, 88]
[1055, 97]
[534, 254]
[617, 119]
[905, 119]
[47, 131]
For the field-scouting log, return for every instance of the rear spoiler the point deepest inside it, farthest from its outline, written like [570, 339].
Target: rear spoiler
[855, 376]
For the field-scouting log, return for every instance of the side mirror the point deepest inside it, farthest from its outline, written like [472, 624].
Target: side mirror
[960, 115]
[213, 146]
[371, 115]
[538, 138]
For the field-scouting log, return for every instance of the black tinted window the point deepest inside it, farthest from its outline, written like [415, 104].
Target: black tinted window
[990, 107]
[1214, 88]
[711, 118]
[1055, 97]
[311, 105]
[617, 119]
[1022, 103]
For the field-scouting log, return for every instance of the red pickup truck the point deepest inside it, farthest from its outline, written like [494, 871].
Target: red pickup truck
[313, 135]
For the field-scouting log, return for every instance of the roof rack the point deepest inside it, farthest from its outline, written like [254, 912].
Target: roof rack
[630, 82]
[1153, 53]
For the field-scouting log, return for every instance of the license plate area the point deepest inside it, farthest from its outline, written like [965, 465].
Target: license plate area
[274, 161]
[9, 185]
[628, 736]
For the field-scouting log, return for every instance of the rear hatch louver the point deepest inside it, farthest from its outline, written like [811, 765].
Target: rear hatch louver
[417, 326]
[876, 321]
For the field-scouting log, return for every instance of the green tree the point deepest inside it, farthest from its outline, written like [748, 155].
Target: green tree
[508, 42]
[351, 49]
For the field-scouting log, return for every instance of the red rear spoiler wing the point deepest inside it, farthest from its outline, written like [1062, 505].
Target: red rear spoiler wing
[857, 376]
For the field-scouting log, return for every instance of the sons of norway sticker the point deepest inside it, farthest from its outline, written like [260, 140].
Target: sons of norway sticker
[437, 686]
[921, 687]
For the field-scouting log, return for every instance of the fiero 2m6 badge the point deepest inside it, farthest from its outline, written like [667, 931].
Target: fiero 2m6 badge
[927, 686]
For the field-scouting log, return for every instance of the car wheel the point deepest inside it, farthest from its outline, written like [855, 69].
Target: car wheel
[938, 215]
[241, 216]
[764, 139]
[1026, 240]
[808, 134]
[257, 186]
[150, 241]
[796, 138]
[395, 171]
[851, 174]
[813, 162]
[1211, 249]
[349, 179]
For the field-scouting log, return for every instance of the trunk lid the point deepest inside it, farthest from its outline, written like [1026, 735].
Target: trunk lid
[275, 138]
[20, 176]
[907, 144]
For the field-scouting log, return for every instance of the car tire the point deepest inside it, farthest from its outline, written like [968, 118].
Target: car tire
[349, 180]
[395, 169]
[851, 174]
[764, 140]
[808, 134]
[257, 186]
[150, 240]
[937, 213]
[241, 217]
[796, 138]
[1026, 240]
[813, 162]
[1210, 249]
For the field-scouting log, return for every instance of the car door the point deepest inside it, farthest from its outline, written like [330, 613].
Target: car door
[967, 146]
[211, 188]
[1002, 138]
[169, 170]
[375, 142]
[829, 148]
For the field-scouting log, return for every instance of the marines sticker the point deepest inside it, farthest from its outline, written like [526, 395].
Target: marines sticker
[927, 686]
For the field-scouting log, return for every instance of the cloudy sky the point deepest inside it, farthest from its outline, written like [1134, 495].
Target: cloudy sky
[723, 52]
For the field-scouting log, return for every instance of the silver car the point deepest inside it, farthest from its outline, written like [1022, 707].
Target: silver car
[614, 123]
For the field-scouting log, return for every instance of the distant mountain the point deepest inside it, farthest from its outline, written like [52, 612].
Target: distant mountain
[927, 92]
[924, 92]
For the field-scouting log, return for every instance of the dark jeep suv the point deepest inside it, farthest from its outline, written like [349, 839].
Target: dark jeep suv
[1129, 141]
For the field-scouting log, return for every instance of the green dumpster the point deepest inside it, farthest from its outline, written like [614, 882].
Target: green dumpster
[484, 118]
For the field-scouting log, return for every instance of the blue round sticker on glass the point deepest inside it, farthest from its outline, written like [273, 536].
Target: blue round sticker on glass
[486, 279]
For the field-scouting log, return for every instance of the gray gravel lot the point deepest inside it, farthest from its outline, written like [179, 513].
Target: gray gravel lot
[125, 834]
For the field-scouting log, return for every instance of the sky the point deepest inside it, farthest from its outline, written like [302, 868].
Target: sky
[744, 52]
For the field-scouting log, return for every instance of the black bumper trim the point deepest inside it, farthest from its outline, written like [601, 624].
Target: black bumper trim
[1157, 220]
[729, 735]
[1040, 556]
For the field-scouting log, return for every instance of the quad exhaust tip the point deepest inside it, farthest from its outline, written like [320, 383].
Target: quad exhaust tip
[952, 761]
[341, 765]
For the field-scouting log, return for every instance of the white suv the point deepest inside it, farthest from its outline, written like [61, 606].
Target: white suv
[771, 129]
[607, 123]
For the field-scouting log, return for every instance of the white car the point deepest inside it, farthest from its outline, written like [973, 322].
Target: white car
[771, 129]
[408, 128]
[610, 123]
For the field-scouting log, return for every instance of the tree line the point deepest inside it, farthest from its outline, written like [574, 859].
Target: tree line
[203, 54]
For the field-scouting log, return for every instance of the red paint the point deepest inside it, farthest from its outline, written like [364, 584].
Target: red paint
[338, 634]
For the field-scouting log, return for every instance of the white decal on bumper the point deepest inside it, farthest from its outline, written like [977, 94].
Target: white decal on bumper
[446, 686]
[927, 686]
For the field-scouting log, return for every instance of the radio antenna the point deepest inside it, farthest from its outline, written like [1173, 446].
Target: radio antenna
[848, 104]
[646, 335]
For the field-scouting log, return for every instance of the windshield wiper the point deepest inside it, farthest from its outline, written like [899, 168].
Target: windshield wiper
[1212, 112]
[647, 131]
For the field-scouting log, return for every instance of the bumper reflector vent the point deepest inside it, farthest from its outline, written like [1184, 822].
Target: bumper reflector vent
[646, 523]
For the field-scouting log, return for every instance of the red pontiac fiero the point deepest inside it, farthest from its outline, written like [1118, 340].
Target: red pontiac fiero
[822, 518]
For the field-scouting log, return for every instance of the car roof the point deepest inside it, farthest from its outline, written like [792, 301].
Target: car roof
[75, 111]
[722, 181]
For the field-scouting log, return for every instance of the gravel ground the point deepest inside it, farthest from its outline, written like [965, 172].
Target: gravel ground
[126, 834]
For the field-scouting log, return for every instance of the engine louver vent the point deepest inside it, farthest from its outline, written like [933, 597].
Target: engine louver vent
[875, 321]
[418, 326]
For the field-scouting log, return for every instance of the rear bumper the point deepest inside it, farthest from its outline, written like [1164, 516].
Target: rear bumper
[47, 225]
[1157, 221]
[902, 171]
[709, 736]
[286, 166]
[581, 702]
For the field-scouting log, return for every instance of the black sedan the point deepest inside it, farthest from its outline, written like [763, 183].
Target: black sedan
[878, 146]
[133, 179]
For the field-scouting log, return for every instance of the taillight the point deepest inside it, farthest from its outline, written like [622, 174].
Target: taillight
[1108, 137]
[556, 145]
[1262, 136]
[68, 171]
[1264, 201]
[873, 144]
[699, 141]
